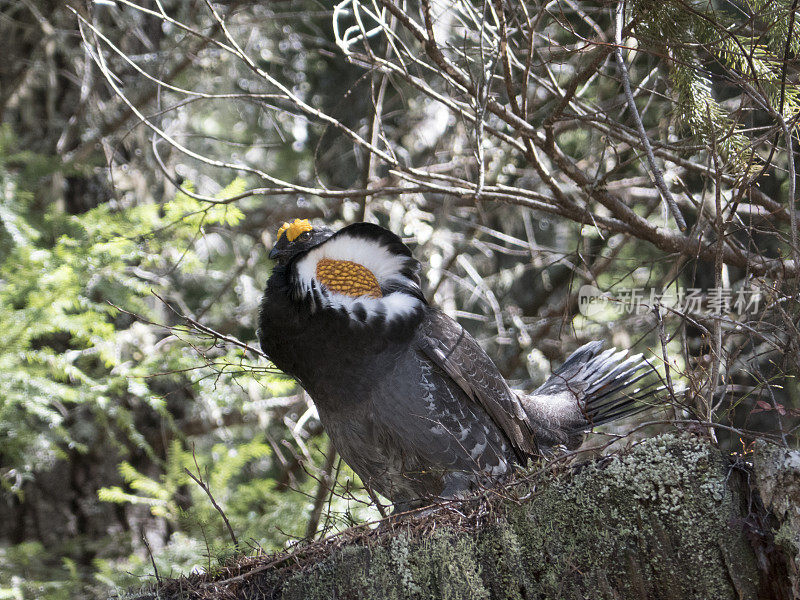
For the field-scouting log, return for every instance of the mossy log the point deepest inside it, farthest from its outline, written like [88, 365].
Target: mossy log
[671, 519]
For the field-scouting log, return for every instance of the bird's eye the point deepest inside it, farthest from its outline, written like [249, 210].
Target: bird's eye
[304, 236]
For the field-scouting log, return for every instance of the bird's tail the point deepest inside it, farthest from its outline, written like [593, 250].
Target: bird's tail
[592, 387]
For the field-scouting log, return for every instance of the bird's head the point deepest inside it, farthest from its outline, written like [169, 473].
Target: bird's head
[296, 238]
[362, 271]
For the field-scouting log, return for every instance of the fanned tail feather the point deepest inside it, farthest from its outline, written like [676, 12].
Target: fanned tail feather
[591, 388]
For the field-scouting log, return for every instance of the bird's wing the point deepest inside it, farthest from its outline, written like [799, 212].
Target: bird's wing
[457, 353]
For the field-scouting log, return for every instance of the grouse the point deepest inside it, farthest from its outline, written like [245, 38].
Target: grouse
[410, 400]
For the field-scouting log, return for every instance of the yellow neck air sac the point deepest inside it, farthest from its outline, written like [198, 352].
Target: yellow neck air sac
[348, 278]
[294, 229]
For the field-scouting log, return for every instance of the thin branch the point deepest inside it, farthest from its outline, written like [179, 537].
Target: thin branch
[651, 160]
[199, 481]
[324, 485]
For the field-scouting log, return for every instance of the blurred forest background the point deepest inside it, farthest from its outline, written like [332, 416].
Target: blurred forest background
[150, 150]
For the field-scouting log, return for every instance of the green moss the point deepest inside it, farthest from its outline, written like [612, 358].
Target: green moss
[653, 519]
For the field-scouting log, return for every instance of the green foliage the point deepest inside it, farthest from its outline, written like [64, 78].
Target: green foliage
[64, 340]
[78, 377]
[26, 573]
[775, 15]
[689, 34]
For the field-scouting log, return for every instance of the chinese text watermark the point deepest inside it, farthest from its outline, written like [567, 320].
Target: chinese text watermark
[639, 300]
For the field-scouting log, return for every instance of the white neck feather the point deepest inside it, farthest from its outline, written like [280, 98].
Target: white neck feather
[385, 265]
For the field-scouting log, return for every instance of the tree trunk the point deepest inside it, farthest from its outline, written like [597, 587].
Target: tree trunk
[670, 519]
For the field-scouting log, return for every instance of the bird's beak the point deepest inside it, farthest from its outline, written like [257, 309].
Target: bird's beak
[274, 254]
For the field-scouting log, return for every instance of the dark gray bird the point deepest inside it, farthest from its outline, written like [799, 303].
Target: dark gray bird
[410, 400]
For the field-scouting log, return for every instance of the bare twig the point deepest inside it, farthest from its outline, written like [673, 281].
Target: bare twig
[198, 479]
[651, 160]
[325, 482]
